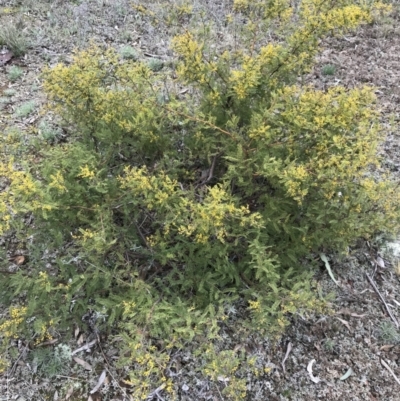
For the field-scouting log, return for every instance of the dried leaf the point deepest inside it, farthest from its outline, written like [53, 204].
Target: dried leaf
[95, 396]
[345, 322]
[18, 259]
[50, 342]
[76, 332]
[380, 262]
[69, 393]
[99, 383]
[83, 363]
[84, 347]
[309, 370]
[288, 349]
[328, 267]
[348, 312]
[359, 316]
[387, 347]
[81, 339]
[347, 374]
[397, 268]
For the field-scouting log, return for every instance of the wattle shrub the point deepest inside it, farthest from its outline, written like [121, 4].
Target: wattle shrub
[163, 209]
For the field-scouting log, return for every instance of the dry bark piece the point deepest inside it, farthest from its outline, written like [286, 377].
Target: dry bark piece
[347, 374]
[310, 372]
[95, 397]
[85, 347]
[5, 57]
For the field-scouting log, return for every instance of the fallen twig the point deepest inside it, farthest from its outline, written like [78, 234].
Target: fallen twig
[385, 365]
[155, 392]
[383, 300]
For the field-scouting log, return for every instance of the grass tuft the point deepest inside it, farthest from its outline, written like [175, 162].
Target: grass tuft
[156, 64]
[388, 333]
[328, 69]
[13, 39]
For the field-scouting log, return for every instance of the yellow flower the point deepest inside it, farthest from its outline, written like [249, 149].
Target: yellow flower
[86, 172]
[57, 182]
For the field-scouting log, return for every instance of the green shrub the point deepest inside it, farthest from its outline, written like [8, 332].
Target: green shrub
[25, 109]
[161, 215]
[52, 362]
[4, 101]
[10, 92]
[14, 73]
[48, 133]
[388, 333]
[128, 52]
[155, 64]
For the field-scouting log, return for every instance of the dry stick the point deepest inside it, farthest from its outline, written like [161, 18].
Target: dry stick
[384, 364]
[196, 119]
[142, 237]
[155, 392]
[382, 299]
[11, 372]
[210, 173]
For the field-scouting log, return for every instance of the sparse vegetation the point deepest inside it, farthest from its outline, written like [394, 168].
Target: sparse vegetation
[329, 344]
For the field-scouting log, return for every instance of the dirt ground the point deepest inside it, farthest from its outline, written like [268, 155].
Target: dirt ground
[353, 354]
